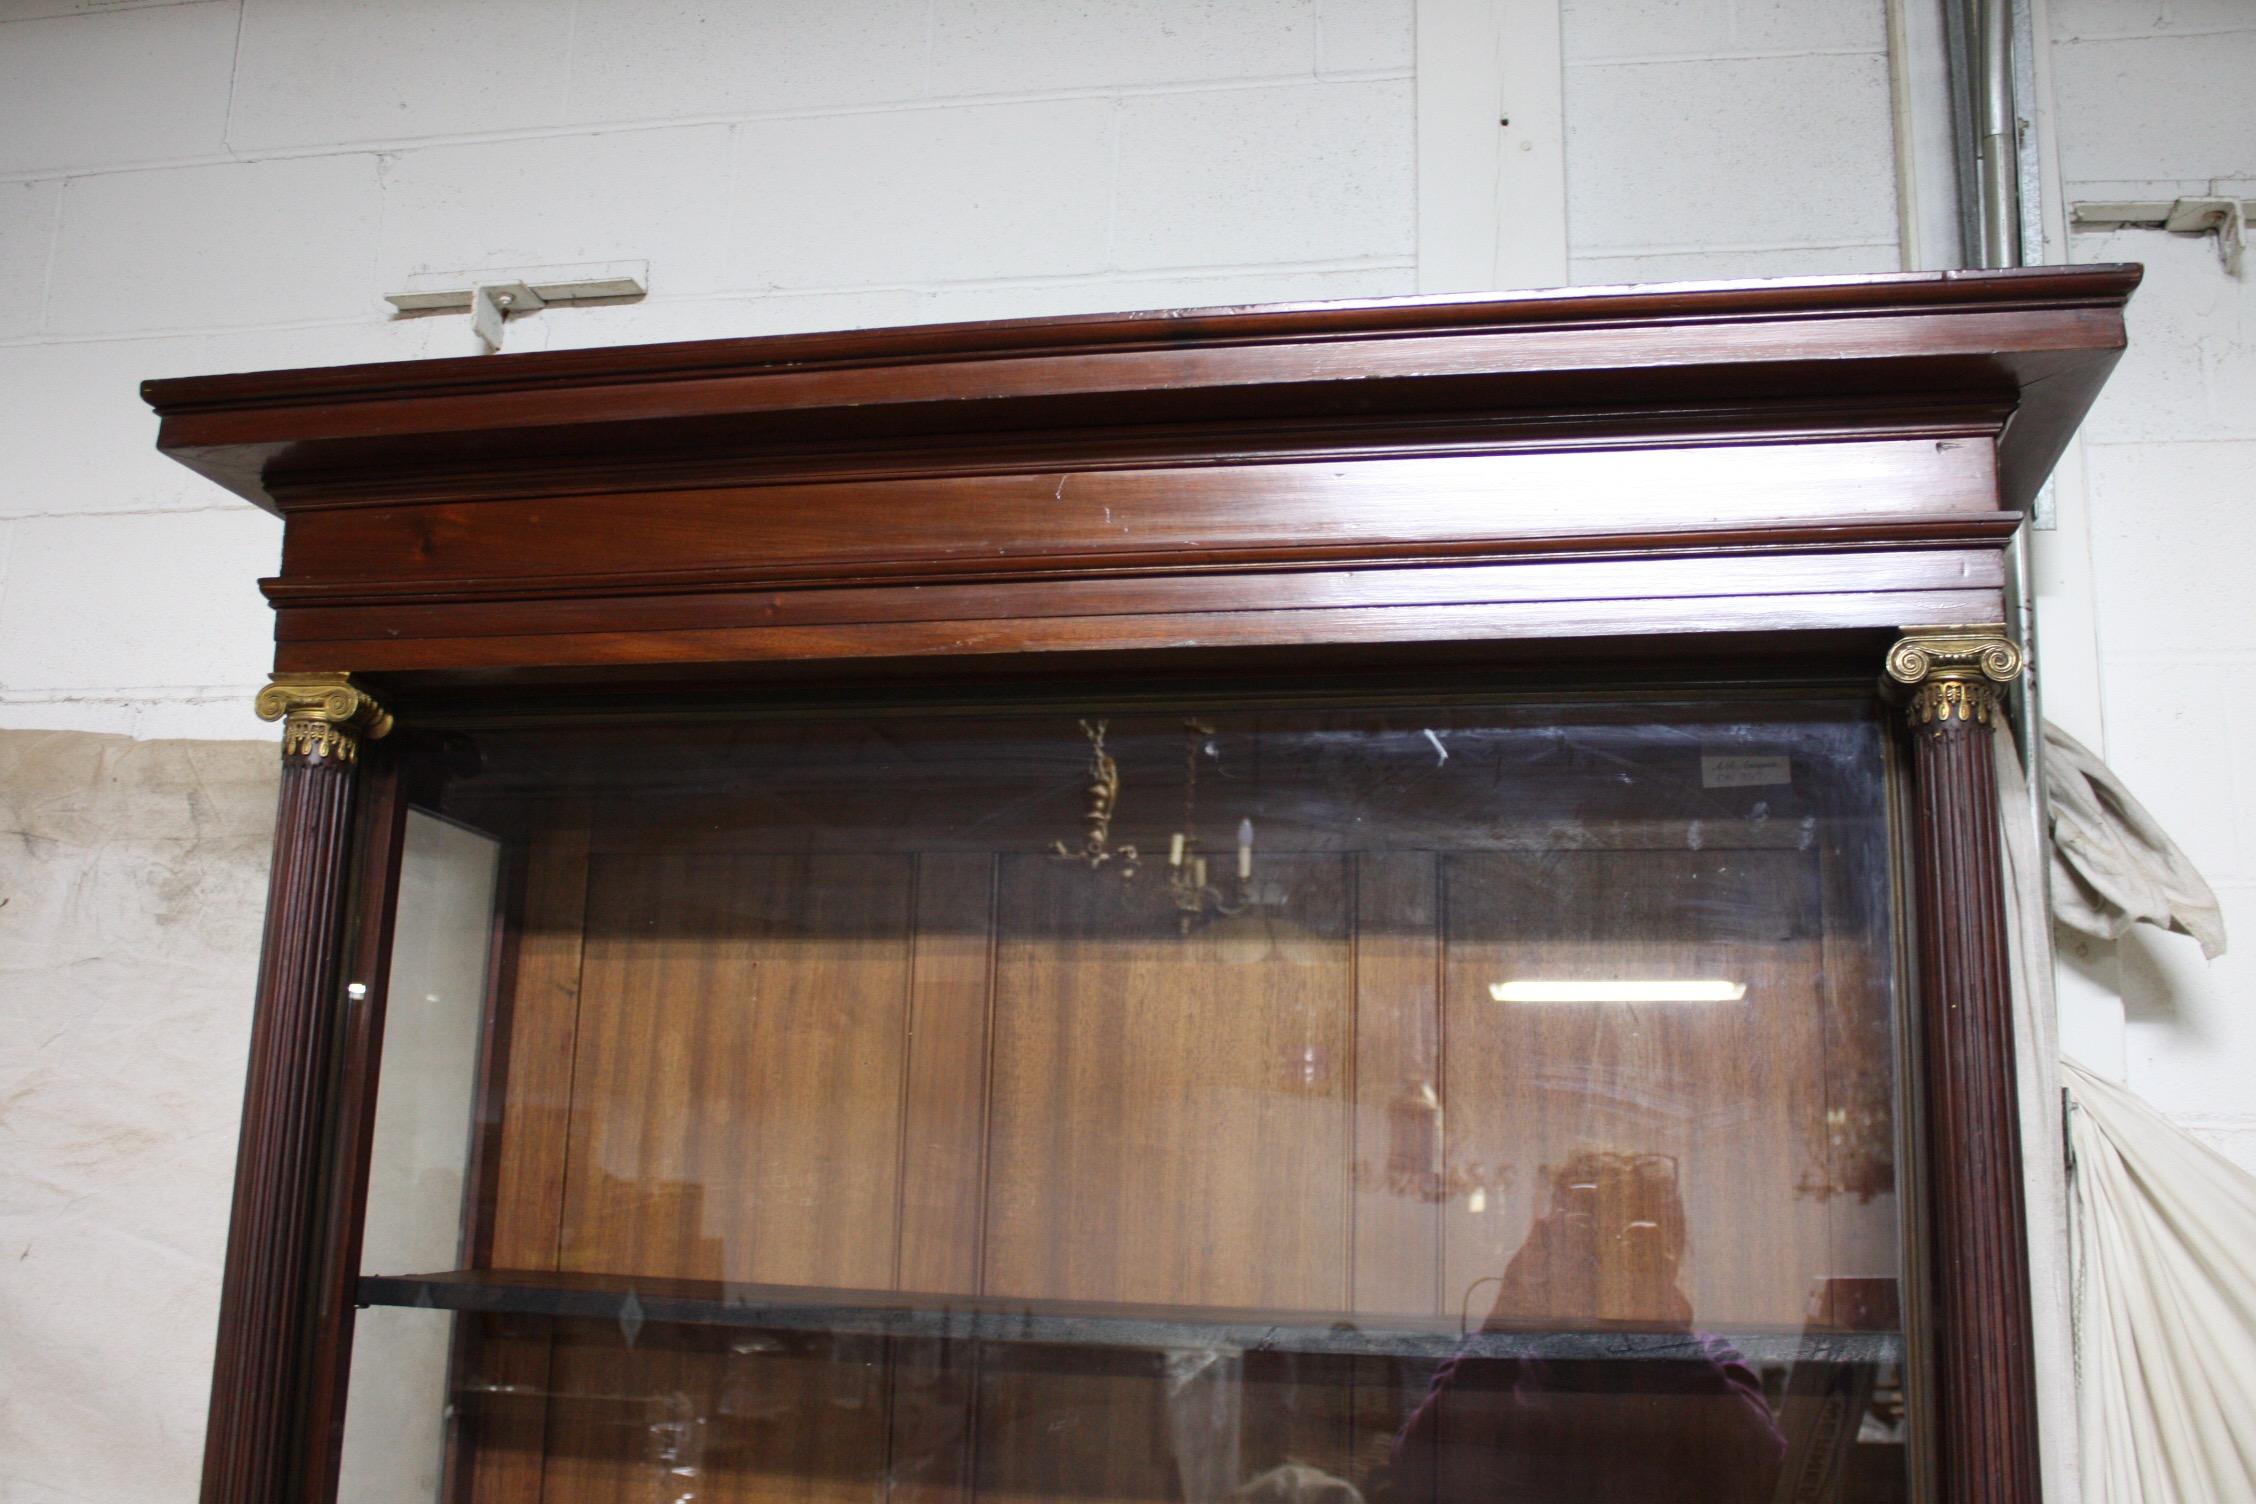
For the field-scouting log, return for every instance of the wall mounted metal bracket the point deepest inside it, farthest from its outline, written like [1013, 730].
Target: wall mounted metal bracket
[492, 298]
[2225, 218]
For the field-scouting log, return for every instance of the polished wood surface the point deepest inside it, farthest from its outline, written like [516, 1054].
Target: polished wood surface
[268, 1365]
[1169, 1113]
[1984, 1370]
[736, 1096]
[386, 773]
[1838, 455]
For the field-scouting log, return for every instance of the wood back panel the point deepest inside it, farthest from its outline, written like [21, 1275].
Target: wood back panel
[736, 1099]
[769, 1027]
[1728, 1097]
[1169, 1114]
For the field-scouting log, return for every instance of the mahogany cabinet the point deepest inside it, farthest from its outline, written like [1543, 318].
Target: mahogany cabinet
[1393, 900]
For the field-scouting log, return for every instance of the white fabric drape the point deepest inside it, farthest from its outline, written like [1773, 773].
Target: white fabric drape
[2036, 1050]
[2165, 1240]
[2113, 865]
[2161, 1228]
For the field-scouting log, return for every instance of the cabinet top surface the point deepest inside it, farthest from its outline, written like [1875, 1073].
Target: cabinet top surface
[1593, 311]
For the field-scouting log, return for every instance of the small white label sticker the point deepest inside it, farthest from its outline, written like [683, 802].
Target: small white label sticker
[1745, 772]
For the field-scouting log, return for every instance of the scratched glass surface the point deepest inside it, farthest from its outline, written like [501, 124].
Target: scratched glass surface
[1442, 1102]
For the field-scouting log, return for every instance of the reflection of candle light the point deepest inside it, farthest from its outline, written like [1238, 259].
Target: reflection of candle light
[1198, 871]
[1175, 850]
[1245, 850]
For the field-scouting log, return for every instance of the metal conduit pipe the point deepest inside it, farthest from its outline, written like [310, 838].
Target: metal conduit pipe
[1998, 30]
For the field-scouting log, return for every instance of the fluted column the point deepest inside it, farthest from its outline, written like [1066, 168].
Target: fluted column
[265, 1306]
[1952, 680]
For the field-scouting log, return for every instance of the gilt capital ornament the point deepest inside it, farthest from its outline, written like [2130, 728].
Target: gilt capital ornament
[1953, 675]
[323, 716]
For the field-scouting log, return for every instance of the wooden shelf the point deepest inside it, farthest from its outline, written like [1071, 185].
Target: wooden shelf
[961, 1318]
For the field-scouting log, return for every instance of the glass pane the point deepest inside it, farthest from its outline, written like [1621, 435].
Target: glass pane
[419, 1156]
[1441, 1102]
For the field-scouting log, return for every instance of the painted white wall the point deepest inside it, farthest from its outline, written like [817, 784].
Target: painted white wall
[2146, 614]
[225, 186]
[235, 184]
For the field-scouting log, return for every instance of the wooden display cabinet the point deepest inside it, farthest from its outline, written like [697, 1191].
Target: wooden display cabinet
[1385, 900]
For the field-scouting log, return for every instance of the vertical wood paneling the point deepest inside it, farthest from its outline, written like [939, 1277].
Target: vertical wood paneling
[736, 1105]
[535, 1103]
[1728, 1095]
[1397, 1159]
[944, 1135]
[1170, 1111]
[935, 1384]
[499, 1458]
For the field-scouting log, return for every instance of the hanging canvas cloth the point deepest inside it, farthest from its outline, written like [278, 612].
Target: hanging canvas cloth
[2165, 1268]
[2113, 865]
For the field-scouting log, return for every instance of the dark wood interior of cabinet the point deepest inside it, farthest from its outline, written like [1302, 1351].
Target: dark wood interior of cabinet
[980, 1134]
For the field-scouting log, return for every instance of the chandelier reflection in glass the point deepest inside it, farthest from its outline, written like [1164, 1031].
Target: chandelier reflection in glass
[1191, 884]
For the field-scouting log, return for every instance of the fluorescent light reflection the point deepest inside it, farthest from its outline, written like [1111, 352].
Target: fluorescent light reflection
[1618, 992]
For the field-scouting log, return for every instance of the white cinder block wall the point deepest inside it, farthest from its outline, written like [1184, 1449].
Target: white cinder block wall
[2150, 100]
[234, 184]
[1728, 138]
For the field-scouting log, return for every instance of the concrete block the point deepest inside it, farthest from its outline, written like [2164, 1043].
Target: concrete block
[904, 197]
[1768, 152]
[242, 243]
[2188, 1028]
[2228, 348]
[100, 90]
[738, 316]
[2235, 686]
[2182, 312]
[651, 195]
[79, 439]
[1314, 172]
[1810, 25]
[374, 338]
[316, 72]
[156, 601]
[2205, 16]
[2170, 739]
[2235, 1141]
[2155, 107]
[1365, 35]
[1643, 28]
[1726, 265]
[2076, 20]
[1017, 46]
[2171, 535]
[680, 59]
[77, 436]
[33, 10]
[28, 214]
[1119, 294]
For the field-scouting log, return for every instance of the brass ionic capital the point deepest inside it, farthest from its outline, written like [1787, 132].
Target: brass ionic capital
[1953, 673]
[322, 715]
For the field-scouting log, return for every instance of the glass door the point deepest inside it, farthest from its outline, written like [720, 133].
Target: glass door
[1439, 1102]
